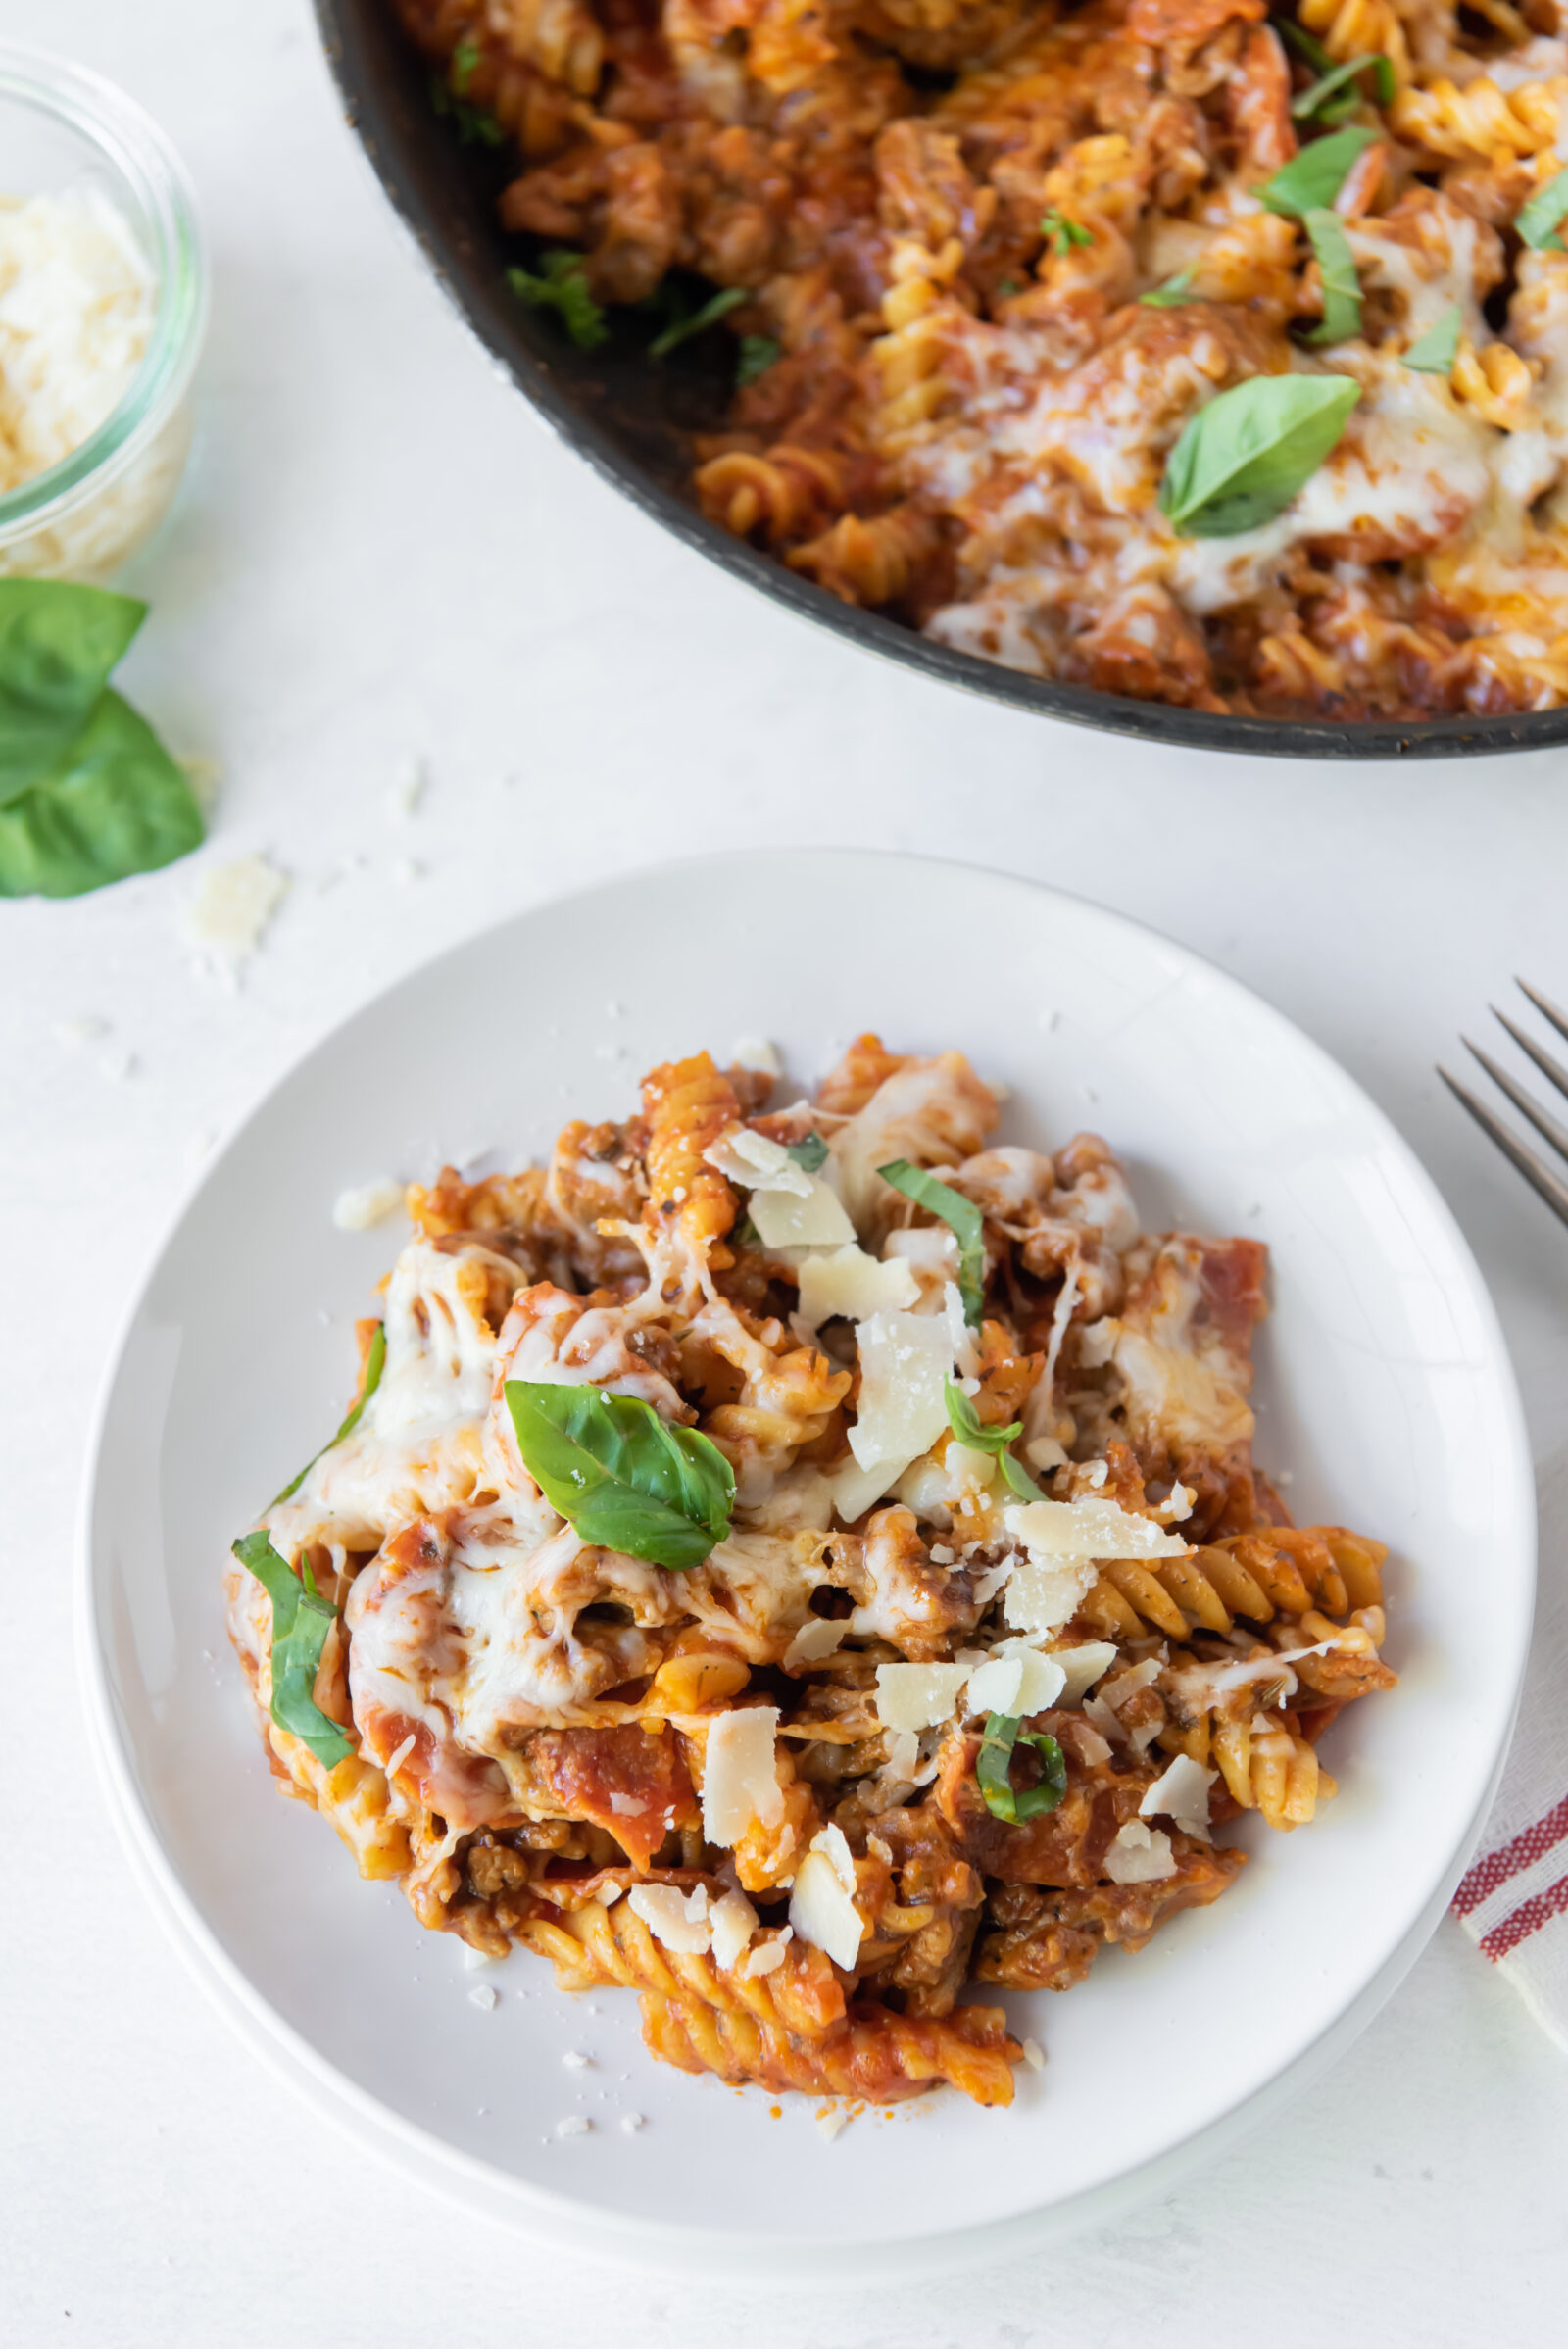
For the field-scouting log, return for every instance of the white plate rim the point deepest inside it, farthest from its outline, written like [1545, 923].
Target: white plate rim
[476, 2184]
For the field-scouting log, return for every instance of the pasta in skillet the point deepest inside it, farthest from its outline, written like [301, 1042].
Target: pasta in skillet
[800, 1565]
[1176, 348]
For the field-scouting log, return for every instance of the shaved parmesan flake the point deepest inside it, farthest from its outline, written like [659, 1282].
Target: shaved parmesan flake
[1081, 1666]
[483, 1997]
[359, 1209]
[768, 1956]
[847, 1283]
[995, 1688]
[1090, 1528]
[1140, 1855]
[734, 1922]
[232, 906]
[916, 1696]
[1182, 1794]
[964, 1356]
[1025, 1679]
[758, 1162]
[755, 1051]
[832, 2122]
[740, 1776]
[812, 1219]
[822, 1909]
[1042, 1597]
[678, 1920]
[1034, 2055]
[815, 1640]
[854, 1489]
[905, 1360]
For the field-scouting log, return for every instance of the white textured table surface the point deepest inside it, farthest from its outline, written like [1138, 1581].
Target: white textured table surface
[381, 557]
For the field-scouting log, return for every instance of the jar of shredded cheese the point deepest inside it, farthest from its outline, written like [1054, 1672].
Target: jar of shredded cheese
[103, 306]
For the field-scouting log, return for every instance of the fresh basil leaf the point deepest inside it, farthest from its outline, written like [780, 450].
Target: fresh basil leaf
[375, 1364]
[58, 643]
[681, 329]
[564, 287]
[1337, 89]
[114, 803]
[1341, 288]
[759, 351]
[961, 1217]
[1175, 291]
[622, 1476]
[965, 1423]
[1537, 221]
[1435, 352]
[301, 1620]
[1059, 232]
[993, 1771]
[465, 59]
[1240, 459]
[1310, 180]
[810, 1154]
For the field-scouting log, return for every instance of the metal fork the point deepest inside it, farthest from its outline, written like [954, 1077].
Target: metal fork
[1535, 1169]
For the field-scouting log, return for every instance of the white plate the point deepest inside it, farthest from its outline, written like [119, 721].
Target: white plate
[1385, 1391]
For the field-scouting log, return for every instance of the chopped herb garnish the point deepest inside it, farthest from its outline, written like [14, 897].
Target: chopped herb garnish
[1341, 288]
[301, 1620]
[759, 351]
[1242, 458]
[1301, 41]
[993, 1771]
[473, 124]
[810, 1155]
[1435, 352]
[1310, 180]
[375, 1364]
[1538, 219]
[623, 1478]
[465, 58]
[681, 328]
[1060, 232]
[961, 1217]
[1173, 293]
[969, 1431]
[1335, 95]
[563, 286]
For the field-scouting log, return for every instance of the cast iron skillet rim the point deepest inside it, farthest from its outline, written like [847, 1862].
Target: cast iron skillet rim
[352, 30]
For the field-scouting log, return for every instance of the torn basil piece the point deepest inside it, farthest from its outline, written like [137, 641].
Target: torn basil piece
[968, 1427]
[623, 1478]
[961, 1217]
[1242, 458]
[301, 1620]
[993, 1771]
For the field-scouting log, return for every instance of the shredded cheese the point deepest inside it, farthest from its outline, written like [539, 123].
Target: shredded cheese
[1140, 1855]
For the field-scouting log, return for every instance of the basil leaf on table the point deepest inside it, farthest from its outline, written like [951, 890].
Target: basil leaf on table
[622, 1476]
[58, 644]
[961, 1217]
[1435, 352]
[301, 1620]
[1538, 219]
[966, 1425]
[810, 1155]
[1310, 180]
[1242, 458]
[993, 1771]
[1341, 288]
[114, 803]
[375, 1364]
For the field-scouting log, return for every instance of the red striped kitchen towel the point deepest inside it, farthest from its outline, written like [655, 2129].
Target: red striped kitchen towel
[1514, 1901]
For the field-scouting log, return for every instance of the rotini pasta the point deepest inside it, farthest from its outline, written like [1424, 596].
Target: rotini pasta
[988, 261]
[796, 1564]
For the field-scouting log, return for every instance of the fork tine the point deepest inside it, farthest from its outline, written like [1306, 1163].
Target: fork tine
[1537, 1173]
[1545, 1005]
[1542, 1119]
[1552, 1070]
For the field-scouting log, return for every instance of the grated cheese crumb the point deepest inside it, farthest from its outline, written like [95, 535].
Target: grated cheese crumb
[473, 1959]
[832, 2122]
[755, 1051]
[1034, 2055]
[576, 2124]
[482, 1995]
[362, 1206]
[631, 2123]
[1140, 1855]
[231, 907]
[575, 2061]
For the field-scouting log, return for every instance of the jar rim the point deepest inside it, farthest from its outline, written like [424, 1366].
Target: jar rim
[143, 160]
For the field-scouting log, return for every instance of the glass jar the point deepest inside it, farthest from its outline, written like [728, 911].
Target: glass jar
[62, 127]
